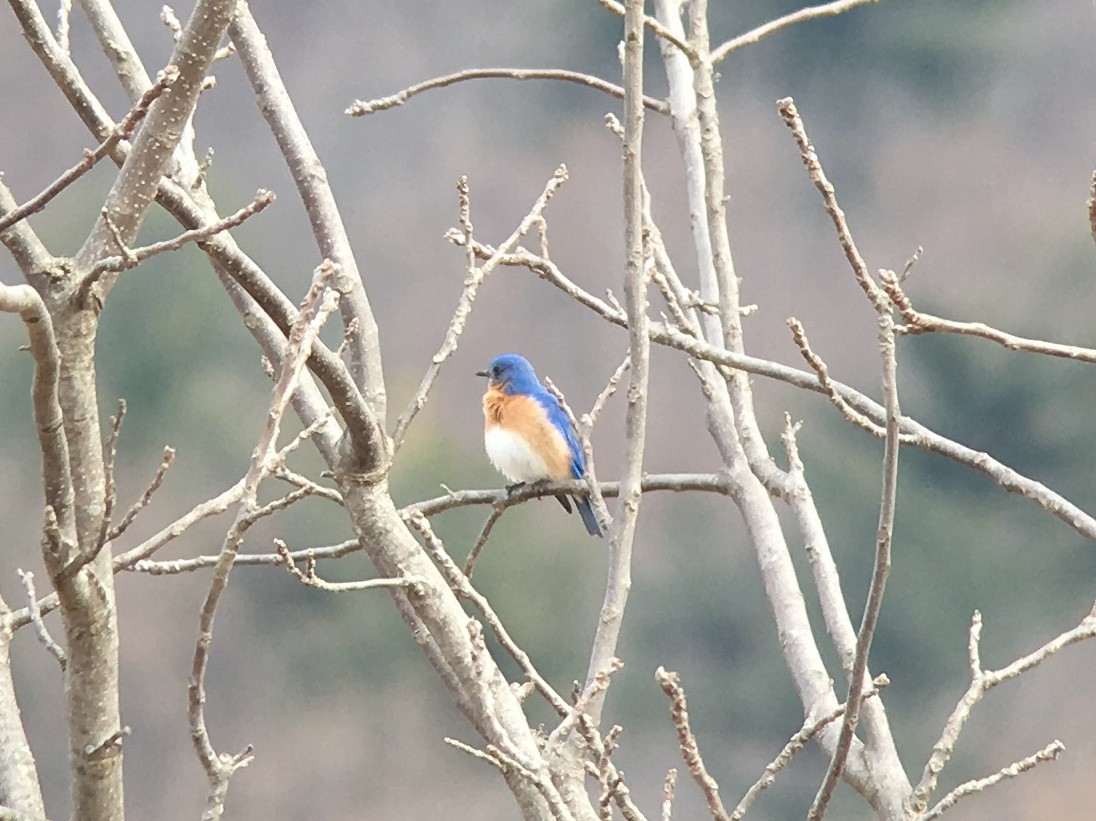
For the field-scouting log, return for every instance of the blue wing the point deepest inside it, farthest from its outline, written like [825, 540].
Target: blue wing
[559, 419]
[562, 423]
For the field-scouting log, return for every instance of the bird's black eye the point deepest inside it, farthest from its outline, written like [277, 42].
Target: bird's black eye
[496, 371]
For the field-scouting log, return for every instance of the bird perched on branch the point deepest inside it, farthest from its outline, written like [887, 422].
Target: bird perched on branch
[528, 436]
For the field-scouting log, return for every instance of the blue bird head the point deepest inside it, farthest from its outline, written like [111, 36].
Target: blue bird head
[511, 373]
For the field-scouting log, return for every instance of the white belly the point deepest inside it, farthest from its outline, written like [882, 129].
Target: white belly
[512, 457]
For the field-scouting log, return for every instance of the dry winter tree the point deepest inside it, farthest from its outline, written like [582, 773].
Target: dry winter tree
[565, 771]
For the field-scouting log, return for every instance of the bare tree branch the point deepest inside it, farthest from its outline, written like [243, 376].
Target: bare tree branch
[811, 727]
[130, 515]
[1092, 208]
[923, 437]
[677, 482]
[982, 681]
[622, 532]
[510, 766]
[481, 540]
[136, 559]
[690, 751]
[132, 257]
[871, 289]
[919, 323]
[64, 15]
[893, 417]
[87, 595]
[664, 33]
[317, 305]
[309, 578]
[40, 629]
[1048, 753]
[323, 214]
[110, 458]
[22, 243]
[818, 365]
[172, 567]
[360, 108]
[48, 419]
[122, 131]
[267, 313]
[19, 784]
[136, 184]
[117, 47]
[880, 571]
[804, 14]
[835, 612]
[668, 788]
[61, 68]
[463, 587]
[683, 106]
[473, 281]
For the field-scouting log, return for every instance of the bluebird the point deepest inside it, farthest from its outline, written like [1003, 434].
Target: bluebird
[528, 436]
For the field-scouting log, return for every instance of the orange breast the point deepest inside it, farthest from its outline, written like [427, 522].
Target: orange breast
[525, 416]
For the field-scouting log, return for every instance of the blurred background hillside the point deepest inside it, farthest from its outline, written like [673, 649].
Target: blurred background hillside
[965, 127]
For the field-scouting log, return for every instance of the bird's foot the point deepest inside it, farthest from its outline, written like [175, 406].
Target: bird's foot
[511, 488]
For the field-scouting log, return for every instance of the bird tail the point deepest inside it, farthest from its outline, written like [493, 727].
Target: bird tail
[589, 518]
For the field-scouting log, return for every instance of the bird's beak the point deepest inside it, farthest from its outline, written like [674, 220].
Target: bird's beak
[482, 373]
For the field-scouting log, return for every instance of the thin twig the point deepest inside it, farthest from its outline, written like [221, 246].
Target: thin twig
[1048, 753]
[166, 461]
[690, 751]
[211, 507]
[1092, 208]
[668, 788]
[175, 566]
[306, 484]
[279, 504]
[811, 727]
[40, 628]
[363, 357]
[481, 540]
[64, 17]
[982, 681]
[919, 323]
[623, 528]
[591, 694]
[316, 307]
[359, 108]
[474, 279]
[818, 365]
[110, 456]
[606, 394]
[925, 438]
[586, 428]
[171, 21]
[132, 257]
[817, 175]
[780, 23]
[462, 585]
[122, 131]
[507, 764]
[309, 578]
[884, 536]
[656, 28]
